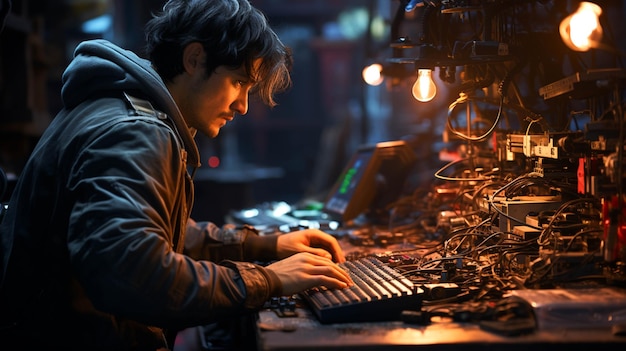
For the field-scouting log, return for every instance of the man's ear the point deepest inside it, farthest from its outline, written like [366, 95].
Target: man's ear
[193, 57]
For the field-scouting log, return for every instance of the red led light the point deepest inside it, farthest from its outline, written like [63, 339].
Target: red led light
[214, 161]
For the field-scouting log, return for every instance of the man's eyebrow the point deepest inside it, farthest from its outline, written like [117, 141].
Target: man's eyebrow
[241, 73]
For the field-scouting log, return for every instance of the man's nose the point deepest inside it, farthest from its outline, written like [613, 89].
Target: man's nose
[240, 105]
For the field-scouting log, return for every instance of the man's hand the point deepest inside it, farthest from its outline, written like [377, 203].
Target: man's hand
[307, 270]
[312, 241]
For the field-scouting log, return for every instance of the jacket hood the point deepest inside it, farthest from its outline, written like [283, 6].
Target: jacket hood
[100, 68]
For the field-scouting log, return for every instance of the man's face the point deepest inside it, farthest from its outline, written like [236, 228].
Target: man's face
[208, 103]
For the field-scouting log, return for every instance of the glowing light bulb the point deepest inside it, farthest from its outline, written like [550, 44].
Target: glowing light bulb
[372, 74]
[581, 30]
[424, 88]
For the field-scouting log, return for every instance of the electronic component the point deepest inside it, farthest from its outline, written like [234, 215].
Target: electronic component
[575, 308]
[515, 211]
[581, 84]
[438, 291]
[283, 306]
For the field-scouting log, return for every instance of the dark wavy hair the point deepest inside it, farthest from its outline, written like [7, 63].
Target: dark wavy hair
[232, 32]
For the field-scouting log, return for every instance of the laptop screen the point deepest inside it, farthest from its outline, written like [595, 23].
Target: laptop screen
[373, 178]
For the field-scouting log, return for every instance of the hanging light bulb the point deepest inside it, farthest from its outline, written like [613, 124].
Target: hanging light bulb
[581, 30]
[424, 88]
[372, 74]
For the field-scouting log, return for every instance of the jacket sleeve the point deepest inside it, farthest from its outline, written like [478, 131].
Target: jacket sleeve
[205, 240]
[124, 185]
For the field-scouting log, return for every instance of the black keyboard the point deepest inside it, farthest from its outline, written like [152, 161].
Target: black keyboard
[380, 293]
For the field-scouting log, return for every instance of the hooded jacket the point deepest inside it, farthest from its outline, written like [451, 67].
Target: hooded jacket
[98, 250]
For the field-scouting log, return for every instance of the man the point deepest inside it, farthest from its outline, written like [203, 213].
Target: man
[98, 251]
